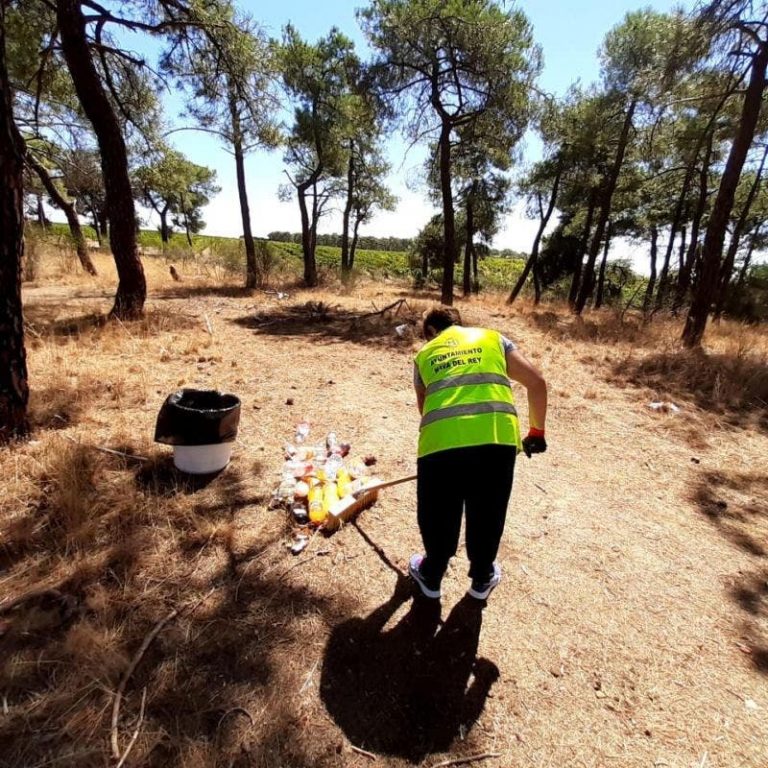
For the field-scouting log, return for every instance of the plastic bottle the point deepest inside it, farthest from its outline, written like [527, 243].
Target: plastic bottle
[297, 468]
[343, 482]
[302, 431]
[286, 489]
[305, 453]
[330, 496]
[289, 451]
[331, 443]
[332, 466]
[317, 512]
[357, 469]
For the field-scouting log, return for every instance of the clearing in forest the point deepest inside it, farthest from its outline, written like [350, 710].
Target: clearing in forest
[631, 627]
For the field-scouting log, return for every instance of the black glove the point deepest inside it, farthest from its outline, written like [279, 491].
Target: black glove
[534, 444]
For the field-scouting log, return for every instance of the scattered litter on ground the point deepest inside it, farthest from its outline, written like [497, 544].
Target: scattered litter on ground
[319, 483]
[664, 407]
[299, 543]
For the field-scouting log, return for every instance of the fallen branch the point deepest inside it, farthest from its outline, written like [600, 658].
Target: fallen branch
[362, 751]
[136, 732]
[153, 633]
[381, 312]
[465, 760]
[110, 451]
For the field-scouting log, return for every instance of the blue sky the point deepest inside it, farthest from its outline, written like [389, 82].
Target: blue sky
[569, 34]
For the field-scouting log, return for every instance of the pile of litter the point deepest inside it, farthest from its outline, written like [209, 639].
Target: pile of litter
[320, 484]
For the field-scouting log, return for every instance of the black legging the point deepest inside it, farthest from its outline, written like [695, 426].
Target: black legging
[478, 480]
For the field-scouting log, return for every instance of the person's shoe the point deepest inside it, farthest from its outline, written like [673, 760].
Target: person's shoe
[414, 570]
[481, 589]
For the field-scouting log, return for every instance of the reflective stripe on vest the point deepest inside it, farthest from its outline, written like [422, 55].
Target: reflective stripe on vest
[452, 411]
[469, 378]
[468, 397]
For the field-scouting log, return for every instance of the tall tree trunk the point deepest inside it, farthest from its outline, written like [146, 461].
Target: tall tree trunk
[600, 293]
[104, 222]
[705, 137]
[315, 219]
[251, 268]
[536, 284]
[132, 285]
[588, 280]
[747, 258]
[467, 276]
[353, 244]
[188, 231]
[726, 270]
[310, 266]
[661, 292]
[681, 251]
[449, 223]
[652, 279]
[346, 266]
[684, 278]
[533, 258]
[165, 235]
[573, 292]
[96, 226]
[475, 275]
[41, 220]
[81, 247]
[14, 387]
[706, 286]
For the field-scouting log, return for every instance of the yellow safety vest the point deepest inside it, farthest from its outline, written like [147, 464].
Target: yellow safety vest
[469, 398]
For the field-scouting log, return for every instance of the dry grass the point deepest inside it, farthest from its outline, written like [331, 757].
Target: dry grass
[631, 629]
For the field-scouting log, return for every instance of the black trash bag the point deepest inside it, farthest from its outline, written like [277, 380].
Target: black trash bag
[198, 417]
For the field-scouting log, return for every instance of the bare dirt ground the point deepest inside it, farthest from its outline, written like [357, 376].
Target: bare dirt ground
[631, 627]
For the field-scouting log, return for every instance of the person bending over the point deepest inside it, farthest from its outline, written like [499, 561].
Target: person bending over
[469, 437]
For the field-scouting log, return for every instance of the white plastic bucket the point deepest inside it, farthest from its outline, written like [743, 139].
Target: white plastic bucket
[202, 459]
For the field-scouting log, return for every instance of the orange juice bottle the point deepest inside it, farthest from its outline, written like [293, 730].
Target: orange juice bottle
[343, 481]
[317, 510]
[330, 496]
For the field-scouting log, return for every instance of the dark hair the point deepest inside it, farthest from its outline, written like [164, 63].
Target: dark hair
[440, 318]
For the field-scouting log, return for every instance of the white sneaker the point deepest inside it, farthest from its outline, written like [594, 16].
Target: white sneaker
[481, 589]
[414, 570]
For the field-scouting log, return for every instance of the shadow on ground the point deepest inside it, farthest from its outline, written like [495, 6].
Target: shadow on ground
[186, 291]
[411, 690]
[319, 320]
[103, 553]
[42, 321]
[737, 506]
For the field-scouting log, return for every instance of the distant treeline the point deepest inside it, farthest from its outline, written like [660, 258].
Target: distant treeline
[370, 243]
[365, 242]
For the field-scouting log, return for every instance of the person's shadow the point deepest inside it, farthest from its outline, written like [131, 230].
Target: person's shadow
[407, 691]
